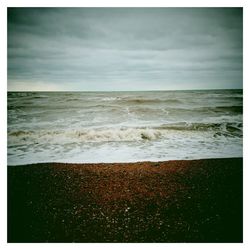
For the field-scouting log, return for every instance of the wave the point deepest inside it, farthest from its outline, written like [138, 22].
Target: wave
[235, 109]
[152, 101]
[184, 126]
[204, 109]
[110, 98]
[89, 135]
[125, 133]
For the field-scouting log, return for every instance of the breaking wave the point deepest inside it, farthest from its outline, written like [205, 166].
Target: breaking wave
[126, 133]
[151, 101]
[90, 135]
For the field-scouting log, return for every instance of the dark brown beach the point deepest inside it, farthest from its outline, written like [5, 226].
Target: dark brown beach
[173, 201]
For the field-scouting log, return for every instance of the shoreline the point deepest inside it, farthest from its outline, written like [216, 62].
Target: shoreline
[120, 163]
[167, 201]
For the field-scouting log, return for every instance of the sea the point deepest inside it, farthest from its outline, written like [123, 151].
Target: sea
[94, 127]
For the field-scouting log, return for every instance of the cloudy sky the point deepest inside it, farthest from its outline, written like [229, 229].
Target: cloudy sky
[109, 49]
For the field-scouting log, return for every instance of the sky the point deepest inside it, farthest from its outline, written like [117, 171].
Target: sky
[121, 49]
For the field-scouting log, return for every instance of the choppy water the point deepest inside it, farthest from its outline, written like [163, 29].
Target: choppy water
[123, 126]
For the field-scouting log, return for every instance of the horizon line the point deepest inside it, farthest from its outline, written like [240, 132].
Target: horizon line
[156, 90]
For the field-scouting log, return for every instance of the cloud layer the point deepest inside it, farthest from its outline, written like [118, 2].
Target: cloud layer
[124, 48]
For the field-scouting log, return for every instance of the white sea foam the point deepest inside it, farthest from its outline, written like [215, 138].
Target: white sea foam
[110, 98]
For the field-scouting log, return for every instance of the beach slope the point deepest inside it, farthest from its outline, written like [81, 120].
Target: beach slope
[173, 201]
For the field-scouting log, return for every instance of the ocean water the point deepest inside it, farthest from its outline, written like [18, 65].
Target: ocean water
[123, 126]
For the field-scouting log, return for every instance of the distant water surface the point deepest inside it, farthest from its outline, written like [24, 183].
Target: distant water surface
[123, 126]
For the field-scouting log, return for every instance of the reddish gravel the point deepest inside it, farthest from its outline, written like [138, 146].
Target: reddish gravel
[174, 201]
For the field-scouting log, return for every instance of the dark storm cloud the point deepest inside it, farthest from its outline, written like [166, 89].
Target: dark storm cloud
[124, 48]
